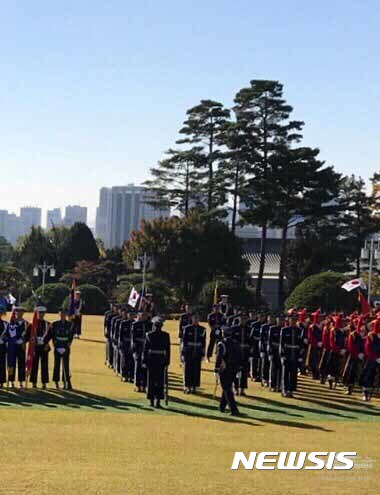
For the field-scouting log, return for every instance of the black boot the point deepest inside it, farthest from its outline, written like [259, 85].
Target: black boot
[158, 404]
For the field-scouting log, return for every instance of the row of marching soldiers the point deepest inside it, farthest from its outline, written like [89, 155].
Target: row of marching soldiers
[138, 349]
[25, 348]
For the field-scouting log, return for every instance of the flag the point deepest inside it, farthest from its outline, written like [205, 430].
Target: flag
[72, 298]
[32, 344]
[356, 283]
[365, 307]
[216, 293]
[11, 299]
[133, 297]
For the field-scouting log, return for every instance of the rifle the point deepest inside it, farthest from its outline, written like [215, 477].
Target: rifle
[307, 360]
[166, 386]
[348, 360]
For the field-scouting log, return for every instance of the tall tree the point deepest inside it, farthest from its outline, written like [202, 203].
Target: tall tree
[263, 116]
[33, 249]
[80, 245]
[202, 128]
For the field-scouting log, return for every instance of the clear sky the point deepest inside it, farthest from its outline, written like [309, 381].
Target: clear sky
[92, 92]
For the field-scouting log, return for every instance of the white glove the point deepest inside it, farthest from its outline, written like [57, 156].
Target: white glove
[361, 356]
[270, 358]
[283, 359]
[305, 341]
[262, 354]
[319, 344]
[378, 360]
[343, 352]
[61, 350]
[300, 360]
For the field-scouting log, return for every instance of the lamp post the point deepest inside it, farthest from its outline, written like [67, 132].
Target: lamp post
[143, 263]
[369, 252]
[44, 269]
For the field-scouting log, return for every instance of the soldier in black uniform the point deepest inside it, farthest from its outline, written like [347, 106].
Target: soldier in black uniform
[227, 365]
[125, 344]
[42, 349]
[156, 359]
[3, 346]
[192, 352]
[62, 332]
[263, 348]
[225, 307]
[115, 329]
[21, 330]
[254, 339]
[140, 329]
[111, 313]
[215, 320]
[234, 318]
[241, 334]
[291, 352]
[273, 351]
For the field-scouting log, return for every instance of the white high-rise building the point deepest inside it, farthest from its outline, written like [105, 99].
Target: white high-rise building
[74, 214]
[29, 217]
[121, 210]
[53, 218]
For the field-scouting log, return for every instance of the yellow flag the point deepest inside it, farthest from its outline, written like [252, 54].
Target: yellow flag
[216, 293]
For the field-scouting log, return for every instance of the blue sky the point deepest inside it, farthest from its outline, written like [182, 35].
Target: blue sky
[93, 92]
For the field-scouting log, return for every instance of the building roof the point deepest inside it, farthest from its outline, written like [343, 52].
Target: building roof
[272, 259]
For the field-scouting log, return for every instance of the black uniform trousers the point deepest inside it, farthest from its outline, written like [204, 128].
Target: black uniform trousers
[40, 355]
[156, 381]
[264, 367]
[3, 365]
[289, 374]
[314, 361]
[227, 377]
[127, 364]
[241, 377]
[334, 365]
[139, 370]
[65, 360]
[275, 372]
[213, 340]
[20, 364]
[77, 325]
[352, 373]
[192, 371]
[369, 373]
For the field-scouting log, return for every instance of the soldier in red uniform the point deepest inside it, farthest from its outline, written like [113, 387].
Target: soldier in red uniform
[372, 355]
[337, 350]
[325, 349]
[355, 351]
[314, 339]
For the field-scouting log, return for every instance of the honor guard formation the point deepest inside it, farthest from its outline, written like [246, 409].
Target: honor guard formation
[25, 348]
[272, 350]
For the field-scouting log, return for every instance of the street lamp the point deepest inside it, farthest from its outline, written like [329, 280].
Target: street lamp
[370, 251]
[144, 263]
[44, 268]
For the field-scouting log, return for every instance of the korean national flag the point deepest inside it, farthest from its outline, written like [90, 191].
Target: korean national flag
[133, 297]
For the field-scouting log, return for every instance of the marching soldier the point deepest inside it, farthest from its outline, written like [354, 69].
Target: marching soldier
[327, 326]
[337, 351]
[62, 332]
[225, 307]
[140, 328]
[125, 344]
[3, 346]
[111, 313]
[355, 351]
[234, 318]
[192, 352]
[227, 365]
[254, 339]
[314, 351]
[372, 355]
[273, 351]
[77, 317]
[263, 348]
[241, 333]
[184, 320]
[42, 349]
[215, 320]
[19, 327]
[157, 359]
[291, 350]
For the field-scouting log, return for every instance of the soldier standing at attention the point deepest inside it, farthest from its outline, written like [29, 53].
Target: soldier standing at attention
[140, 329]
[125, 339]
[225, 307]
[314, 352]
[372, 355]
[156, 358]
[273, 350]
[42, 349]
[3, 346]
[241, 333]
[227, 366]
[263, 348]
[184, 320]
[62, 337]
[20, 328]
[77, 317]
[291, 349]
[192, 352]
[254, 340]
[215, 319]
[107, 333]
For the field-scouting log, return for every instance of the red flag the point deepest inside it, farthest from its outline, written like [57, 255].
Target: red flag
[32, 344]
[365, 307]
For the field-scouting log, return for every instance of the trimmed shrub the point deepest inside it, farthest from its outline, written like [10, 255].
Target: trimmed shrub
[239, 294]
[95, 302]
[53, 298]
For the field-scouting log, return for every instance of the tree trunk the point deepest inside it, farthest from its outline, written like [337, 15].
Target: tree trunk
[235, 200]
[210, 170]
[187, 192]
[262, 261]
[281, 275]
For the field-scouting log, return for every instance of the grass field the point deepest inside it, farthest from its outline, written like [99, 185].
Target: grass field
[103, 438]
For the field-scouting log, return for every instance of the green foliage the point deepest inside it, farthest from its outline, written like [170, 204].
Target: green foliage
[89, 272]
[53, 297]
[164, 297]
[6, 250]
[33, 249]
[95, 302]
[188, 251]
[238, 292]
[13, 280]
[323, 290]
[79, 245]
